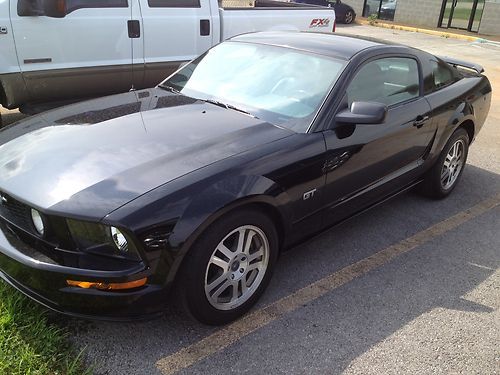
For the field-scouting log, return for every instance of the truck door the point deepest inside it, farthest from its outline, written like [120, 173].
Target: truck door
[174, 31]
[71, 49]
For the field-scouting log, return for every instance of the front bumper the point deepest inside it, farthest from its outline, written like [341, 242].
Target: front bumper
[45, 282]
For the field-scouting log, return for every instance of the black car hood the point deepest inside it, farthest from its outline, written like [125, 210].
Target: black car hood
[90, 158]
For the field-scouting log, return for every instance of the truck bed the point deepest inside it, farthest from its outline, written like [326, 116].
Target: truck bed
[270, 15]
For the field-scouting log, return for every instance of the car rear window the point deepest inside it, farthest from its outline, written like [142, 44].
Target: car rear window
[442, 75]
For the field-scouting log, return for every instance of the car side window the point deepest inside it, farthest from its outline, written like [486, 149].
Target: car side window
[389, 81]
[72, 5]
[442, 75]
[174, 3]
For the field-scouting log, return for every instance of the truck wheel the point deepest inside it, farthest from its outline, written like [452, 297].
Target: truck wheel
[229, 267]
[446, 172]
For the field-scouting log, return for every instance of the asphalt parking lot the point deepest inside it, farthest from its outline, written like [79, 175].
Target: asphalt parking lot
[412, 286]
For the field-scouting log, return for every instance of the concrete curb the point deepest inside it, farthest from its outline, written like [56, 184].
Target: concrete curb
[444, 34]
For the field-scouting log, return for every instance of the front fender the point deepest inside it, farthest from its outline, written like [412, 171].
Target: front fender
[217, 200]
[185, 212]
[223, 196]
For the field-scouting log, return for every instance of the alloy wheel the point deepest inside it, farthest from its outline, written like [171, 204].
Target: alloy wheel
[348, 17]
[453, 164]
[236, 267]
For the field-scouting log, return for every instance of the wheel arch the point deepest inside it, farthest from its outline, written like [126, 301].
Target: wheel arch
[461, 119]
[265, 196]
[469, 126]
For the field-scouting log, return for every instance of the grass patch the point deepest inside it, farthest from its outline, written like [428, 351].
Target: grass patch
[29, 343]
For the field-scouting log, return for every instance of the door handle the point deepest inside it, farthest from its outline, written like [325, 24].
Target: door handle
[134, 29]
[420, 121]
[204, 27]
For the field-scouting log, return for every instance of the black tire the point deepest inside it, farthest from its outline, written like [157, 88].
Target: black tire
[191, 284]
[349, 17]
[433, 186]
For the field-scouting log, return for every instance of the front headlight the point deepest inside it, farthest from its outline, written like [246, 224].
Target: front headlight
[102, 239]
[119, 239]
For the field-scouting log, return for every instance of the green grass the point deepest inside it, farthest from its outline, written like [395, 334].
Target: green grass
[29, 343]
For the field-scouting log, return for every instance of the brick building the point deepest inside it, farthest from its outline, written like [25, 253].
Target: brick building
[480, 16]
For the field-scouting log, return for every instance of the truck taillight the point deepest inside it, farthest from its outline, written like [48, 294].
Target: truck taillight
[334, 25]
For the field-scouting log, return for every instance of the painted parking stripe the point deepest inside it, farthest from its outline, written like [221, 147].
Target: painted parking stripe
[233, 332]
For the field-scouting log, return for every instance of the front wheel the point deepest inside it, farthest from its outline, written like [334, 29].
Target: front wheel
[445, 174]
[229, 267]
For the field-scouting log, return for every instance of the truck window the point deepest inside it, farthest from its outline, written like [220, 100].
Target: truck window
[174, 3]
[72, 5]
[36, 8]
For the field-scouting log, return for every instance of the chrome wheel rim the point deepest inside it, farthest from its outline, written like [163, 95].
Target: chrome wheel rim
[348, 17]
[453, 164]
[236, 267]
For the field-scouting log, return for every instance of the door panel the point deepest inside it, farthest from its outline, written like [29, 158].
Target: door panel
[375, 159]
[190, 20]
[87, 47]
[365, 162]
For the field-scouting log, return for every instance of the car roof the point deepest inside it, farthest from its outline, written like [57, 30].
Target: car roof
[333, 45]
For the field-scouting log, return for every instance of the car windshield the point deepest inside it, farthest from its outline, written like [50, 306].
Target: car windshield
[279, 85]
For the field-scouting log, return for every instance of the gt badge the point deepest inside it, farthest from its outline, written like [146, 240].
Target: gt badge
[309, 194]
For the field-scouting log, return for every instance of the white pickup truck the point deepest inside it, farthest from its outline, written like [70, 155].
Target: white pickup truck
[57, 50]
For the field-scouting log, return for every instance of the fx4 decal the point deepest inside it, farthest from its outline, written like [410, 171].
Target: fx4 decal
[319, 22]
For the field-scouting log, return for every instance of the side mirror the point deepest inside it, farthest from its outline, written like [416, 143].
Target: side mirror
[34, 8]
[363, 113]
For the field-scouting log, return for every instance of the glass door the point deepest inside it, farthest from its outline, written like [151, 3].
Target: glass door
[462, 14]
[476, 16]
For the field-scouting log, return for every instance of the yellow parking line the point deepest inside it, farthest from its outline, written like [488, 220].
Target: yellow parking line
[233, 332]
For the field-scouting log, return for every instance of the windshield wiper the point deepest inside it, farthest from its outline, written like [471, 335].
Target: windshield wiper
[227, 106]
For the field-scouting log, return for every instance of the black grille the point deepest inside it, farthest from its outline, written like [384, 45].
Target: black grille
[15, 212]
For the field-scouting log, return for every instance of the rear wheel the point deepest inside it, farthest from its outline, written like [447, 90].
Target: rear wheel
[349, 17]
[445, 174]
[229, 267]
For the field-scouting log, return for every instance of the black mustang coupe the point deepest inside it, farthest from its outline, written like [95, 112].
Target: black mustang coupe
[110, 208]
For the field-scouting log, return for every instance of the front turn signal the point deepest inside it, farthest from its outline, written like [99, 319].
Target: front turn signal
[107, 286]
